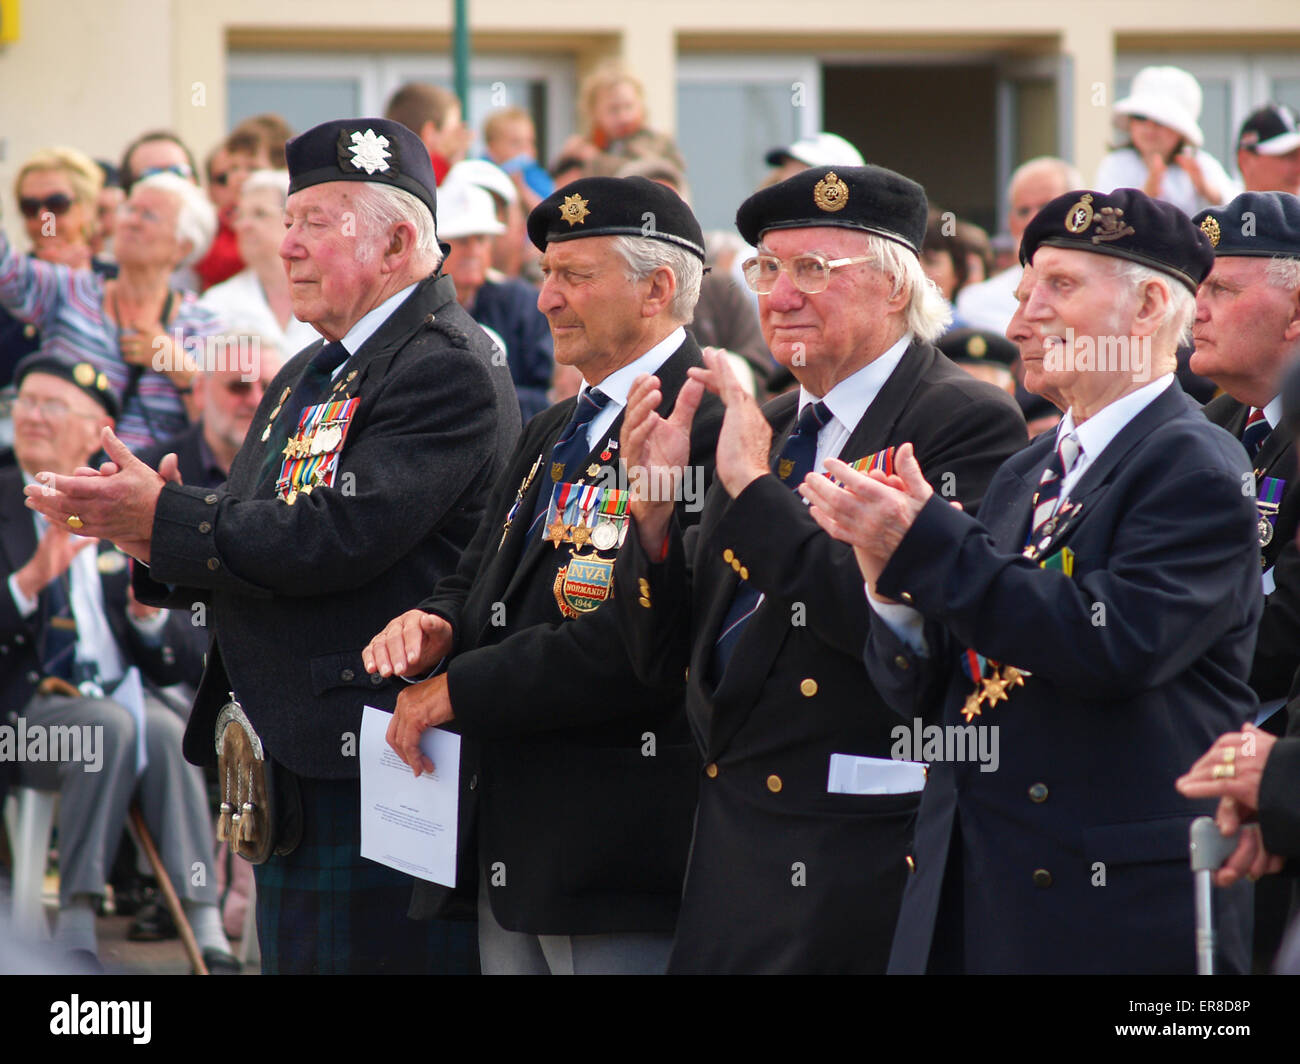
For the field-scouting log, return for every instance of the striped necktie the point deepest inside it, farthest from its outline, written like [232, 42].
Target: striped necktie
[1048, 496]
[796, 461]
[572, 447]
[1255, 433]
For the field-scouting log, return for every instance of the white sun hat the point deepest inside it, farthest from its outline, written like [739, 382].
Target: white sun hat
[1165, 94]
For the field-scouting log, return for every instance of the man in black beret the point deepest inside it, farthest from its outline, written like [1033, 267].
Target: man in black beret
[581, 779]
[361, 480]
[1247, 337]
[800, 848]
[69, 636]
[1094, 622]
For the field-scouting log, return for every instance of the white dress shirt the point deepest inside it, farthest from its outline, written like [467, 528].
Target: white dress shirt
[619, 383]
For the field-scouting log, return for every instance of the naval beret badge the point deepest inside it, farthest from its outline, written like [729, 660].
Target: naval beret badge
[1080, 216]
[830, 193]
[574, 210]
[1210, 227]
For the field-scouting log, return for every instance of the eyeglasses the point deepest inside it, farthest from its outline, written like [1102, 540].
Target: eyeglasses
[809, 272]
[57, 204]
[50, 409]
[179, 169]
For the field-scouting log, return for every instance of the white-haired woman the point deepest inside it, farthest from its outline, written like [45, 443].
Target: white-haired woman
[259, 294]
[138, 331]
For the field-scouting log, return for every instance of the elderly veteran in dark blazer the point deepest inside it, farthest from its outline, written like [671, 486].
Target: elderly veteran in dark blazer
[69, 635]
[363, 476]
[1097, 618]
[582, 779]
[804, 819]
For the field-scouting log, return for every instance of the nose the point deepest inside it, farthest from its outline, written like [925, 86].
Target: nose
[290, 246]
[784, 295]
[549, 297]
[1202, 310]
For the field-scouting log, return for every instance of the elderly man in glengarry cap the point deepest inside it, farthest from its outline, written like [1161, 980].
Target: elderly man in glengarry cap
[362, 477]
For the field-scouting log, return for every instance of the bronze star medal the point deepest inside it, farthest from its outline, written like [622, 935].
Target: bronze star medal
[557, 531]
[581, 535]
[574, 210]
[971, 709]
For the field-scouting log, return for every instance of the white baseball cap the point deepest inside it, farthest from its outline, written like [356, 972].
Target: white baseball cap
[825, 149]
[465, 210]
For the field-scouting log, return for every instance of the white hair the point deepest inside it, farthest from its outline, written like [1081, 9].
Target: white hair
[380, 207]
[928, 313]
[1283, 273]
[276, 181]
[196, 219]
[1065, 173]
[644, 255]
[1180, 314]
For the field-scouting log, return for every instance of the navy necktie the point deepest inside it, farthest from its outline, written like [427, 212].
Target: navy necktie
[795, 462]
[59, 652]
[312, 388]
[1255, 433]
[572, 447]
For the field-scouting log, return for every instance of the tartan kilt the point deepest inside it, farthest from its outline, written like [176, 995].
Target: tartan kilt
[326, 910]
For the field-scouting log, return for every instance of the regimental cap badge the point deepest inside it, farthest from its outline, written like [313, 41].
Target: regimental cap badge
[369, 152]
[101, 382]
[1111, 225]
[574, 209]
[830, 193]
[1080, 216]
[977, 347]
[1210, 227]
[84, 374]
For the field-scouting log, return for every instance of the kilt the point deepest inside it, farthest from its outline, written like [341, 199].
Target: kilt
[326, 910]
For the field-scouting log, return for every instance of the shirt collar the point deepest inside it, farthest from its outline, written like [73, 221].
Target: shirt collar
[619, 383]
[848, 401]
[370, 322]
[1273, 411]
[1095, 434]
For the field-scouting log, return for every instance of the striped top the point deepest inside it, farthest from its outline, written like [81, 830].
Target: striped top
[68, 307]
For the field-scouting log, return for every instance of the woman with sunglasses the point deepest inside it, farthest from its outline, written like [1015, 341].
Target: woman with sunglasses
[56, 190]
[146, 337]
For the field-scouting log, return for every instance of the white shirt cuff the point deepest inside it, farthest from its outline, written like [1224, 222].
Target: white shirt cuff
[903, 621]
[26, 606]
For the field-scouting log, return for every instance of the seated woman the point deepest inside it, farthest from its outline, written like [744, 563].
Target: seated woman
[141, 334]
[258, 296]
[1162, 153]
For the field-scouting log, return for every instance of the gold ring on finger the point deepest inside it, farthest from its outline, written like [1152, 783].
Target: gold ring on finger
[75, 523]
[1229, 755]
[1224, 772]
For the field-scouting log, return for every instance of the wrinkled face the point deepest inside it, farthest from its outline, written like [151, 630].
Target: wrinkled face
[60, 218]
[259, 225]
[146, 229]
[228, 402]
[834, 331]
[618, 110]
[468, 261]
[1270, 173]
[329, 286]
[56, 424]
[1151, 138]
[592, 307]
[1240, 322]
[1066, 293]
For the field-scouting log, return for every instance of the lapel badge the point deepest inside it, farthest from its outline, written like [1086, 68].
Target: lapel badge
[557, 471]
[830, 193]
[593, 470]
[1210, 227]
[1080, 215]
[574, 210]
[785, 467]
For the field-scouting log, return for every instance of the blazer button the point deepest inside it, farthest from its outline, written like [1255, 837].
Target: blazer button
[735, 564]
[214, 564]
[728, 555]
[473, 782]
[20, 639]
[346, 675]
[808, 687]
[744, 573]
[1042, 877]
[711, 770]
[911, 864]
[901, 662]
[376, 680]
[211, 500]
[645, 602]
[906, 596]
[1038, 792]
[774, 783]
[206, 526]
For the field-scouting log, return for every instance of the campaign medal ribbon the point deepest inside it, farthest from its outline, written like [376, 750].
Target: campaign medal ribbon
[311, 455]
[991, 688]
[1267, 500]
[611, 523]
[557, 530]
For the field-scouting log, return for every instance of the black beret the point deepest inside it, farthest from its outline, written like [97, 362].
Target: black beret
[1266, 224]
[1125, 224]
[615, 206]
[94, 382]
[977, 345]
[362, 149]
[869, 198]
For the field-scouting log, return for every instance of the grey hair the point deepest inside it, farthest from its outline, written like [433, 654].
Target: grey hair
[196, 219]
[1283, 273]
[1180, 315]
[276, 181]
[928, 313]
[644, 255]
[380, 207]
[1066, 173]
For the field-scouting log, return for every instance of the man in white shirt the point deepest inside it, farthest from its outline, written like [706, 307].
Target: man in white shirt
[1098, 618]
[69, 633]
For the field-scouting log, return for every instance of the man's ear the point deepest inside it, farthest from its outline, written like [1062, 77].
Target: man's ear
[662, 287]
[1292, 331]
[1153, 302]
[398, 250]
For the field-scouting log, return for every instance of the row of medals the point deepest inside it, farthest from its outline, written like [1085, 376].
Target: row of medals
[606, 535]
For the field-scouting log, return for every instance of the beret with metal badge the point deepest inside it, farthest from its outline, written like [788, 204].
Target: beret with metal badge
[87, 377]
[1263, 224]
[615, 206]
